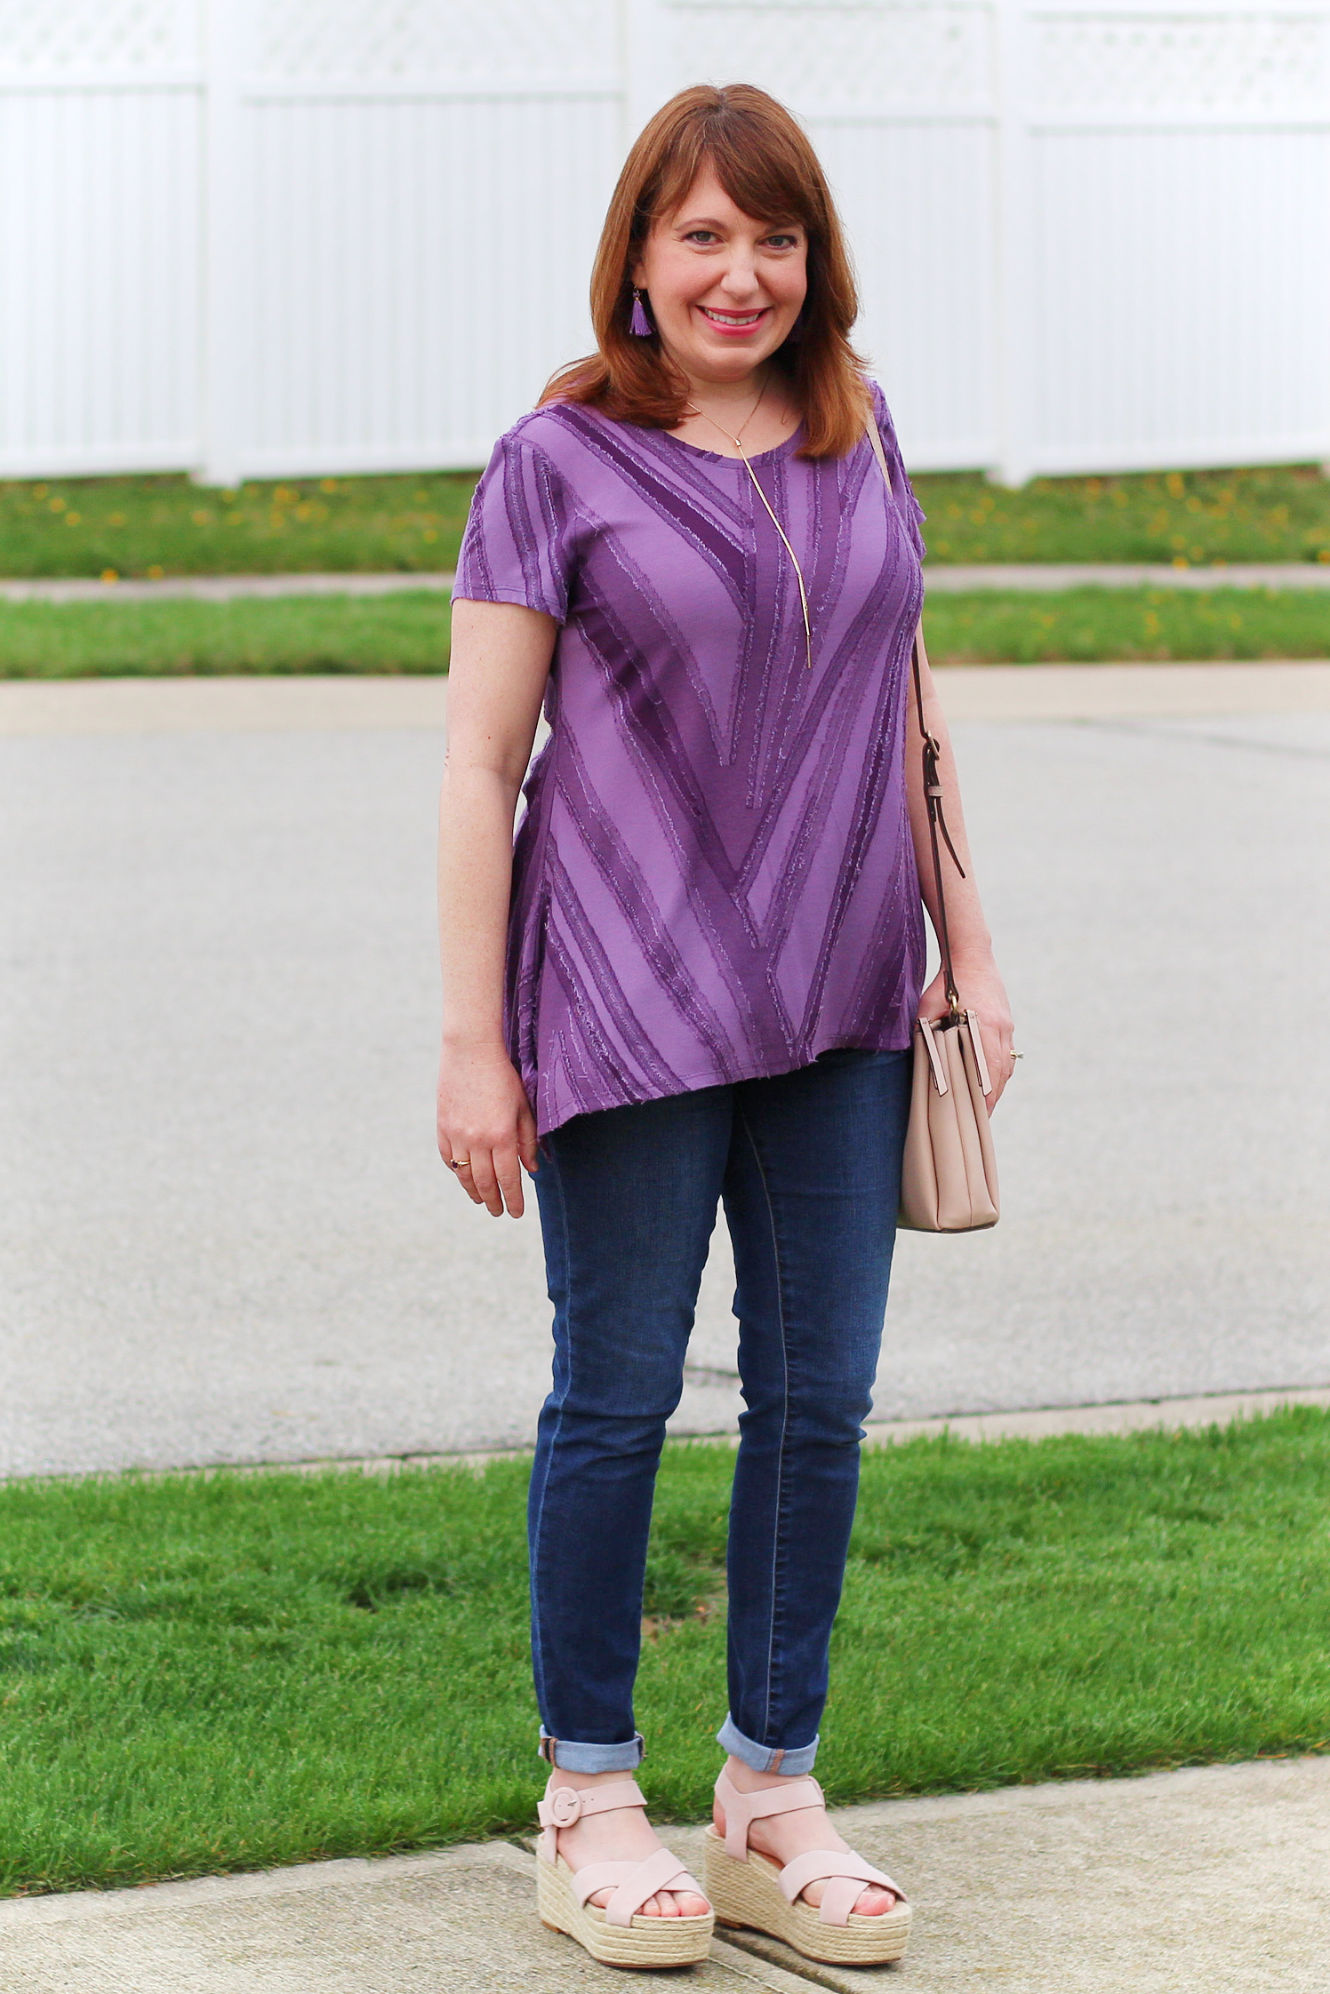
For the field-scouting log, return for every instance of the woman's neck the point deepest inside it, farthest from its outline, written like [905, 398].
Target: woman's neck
[730, 401]
[748, 416]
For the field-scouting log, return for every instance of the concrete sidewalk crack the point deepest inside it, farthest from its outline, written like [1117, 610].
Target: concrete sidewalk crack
[739, 1951]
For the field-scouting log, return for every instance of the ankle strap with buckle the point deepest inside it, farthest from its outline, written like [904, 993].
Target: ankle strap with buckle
[563, 1805]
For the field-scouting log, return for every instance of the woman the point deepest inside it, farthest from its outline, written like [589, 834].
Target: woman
[694, 979]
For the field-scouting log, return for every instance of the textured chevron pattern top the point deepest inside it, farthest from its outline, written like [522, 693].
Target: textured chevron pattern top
[713, 878]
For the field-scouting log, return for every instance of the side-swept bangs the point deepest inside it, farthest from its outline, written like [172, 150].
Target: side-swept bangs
[766, 164]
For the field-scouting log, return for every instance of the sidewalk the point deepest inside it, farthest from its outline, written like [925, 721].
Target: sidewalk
[257, 703]
[1039, 575]
[1172, 1883]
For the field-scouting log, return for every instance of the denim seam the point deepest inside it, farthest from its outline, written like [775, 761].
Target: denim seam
[785, 1411]
[537, 1647]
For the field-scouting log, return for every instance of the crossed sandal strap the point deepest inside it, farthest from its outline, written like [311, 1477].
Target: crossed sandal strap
[743, 1808]
[562, 1805]
[846, 1876]
[632, 1883]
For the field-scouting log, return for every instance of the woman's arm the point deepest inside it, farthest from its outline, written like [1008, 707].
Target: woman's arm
[979, 985]
[500, 661]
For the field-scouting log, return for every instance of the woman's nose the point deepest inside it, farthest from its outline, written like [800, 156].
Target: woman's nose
[740, 279]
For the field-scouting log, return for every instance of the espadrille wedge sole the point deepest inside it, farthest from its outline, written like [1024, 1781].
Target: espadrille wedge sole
[646, 1942]
[747, 1888]
[621, 1934]
[748, 1893]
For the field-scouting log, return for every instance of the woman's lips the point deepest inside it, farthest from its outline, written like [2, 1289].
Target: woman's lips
[733, 331]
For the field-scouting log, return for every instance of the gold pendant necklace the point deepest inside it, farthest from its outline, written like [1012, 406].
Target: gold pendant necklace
[798, 571]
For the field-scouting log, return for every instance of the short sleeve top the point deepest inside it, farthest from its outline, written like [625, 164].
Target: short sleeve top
[713, 878]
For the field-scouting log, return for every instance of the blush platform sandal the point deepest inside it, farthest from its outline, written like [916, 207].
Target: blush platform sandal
[619, 1934]
[749, 1889]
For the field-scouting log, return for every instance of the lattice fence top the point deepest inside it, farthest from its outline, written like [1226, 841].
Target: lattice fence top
[837, 55]
[402, 39]
[91, 35]
[1233, 62]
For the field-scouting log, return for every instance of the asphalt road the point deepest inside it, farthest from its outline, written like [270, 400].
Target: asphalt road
[224, 1231]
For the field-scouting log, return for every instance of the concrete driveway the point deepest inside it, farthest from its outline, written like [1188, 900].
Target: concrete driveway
[226, 1235]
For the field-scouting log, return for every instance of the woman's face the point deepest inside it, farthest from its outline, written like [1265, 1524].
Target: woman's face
[723, 289]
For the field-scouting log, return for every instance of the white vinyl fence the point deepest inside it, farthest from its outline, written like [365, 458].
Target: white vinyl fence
[284, 237]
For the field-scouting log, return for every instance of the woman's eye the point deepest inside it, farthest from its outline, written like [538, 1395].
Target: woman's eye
[783, 241]
[700, 235]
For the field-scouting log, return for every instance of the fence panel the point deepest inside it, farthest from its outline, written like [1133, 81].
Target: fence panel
[99, 235]
[420, 191]
[1176, 307]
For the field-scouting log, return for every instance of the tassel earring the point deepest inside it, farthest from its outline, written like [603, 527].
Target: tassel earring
[639, 324]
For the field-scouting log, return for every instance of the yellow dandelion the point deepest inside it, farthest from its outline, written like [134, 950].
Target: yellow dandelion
[327, 484]
[110, 575]
[39, 491]
[73, 519]
[58, 504]
[116, 519]
[155, 573]
[429, 534]
[1323, 553]
[1181, 561]
[201, 518]
[1173, 484]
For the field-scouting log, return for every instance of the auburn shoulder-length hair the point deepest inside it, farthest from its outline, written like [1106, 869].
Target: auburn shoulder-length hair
[766, 164]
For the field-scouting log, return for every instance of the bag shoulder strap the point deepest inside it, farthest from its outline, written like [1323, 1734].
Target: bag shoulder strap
[932, 782]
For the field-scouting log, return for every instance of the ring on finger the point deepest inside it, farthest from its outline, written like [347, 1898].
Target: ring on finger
[458, 1162]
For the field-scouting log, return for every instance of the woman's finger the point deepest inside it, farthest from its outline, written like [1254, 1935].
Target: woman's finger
[508, 1172]
[528, 1147]
[485, 1181]
[997, 1051]
[462, 1172]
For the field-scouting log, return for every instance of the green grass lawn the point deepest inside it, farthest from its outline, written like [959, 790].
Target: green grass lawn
[210, 1673]
[409, 632]
[148, 526]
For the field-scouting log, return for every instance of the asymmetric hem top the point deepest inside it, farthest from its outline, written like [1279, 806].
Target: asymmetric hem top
[714, 876]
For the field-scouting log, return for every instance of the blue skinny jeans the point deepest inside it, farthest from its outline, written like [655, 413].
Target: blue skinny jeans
[807, 1165]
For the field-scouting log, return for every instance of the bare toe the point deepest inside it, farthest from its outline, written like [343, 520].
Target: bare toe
[875, 1903]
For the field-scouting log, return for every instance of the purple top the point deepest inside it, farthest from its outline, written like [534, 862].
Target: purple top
[714, 877]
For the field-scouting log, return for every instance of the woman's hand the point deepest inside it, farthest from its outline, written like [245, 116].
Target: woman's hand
[484, 1115]
[981, 990]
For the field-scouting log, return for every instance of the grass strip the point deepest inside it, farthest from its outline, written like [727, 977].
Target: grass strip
[200, 1674]
[148, 526]
[1144, 626]
[183, 639]
[409, 632]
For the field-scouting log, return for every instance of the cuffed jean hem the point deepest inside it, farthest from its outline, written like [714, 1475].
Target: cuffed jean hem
[572, 1757]
[764, 1758]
